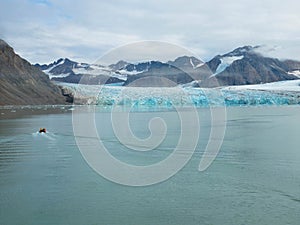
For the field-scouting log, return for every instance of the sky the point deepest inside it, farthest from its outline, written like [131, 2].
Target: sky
[44, 30]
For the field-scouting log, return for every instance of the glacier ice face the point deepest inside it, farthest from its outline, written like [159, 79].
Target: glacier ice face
[267, 94]
[258, 97]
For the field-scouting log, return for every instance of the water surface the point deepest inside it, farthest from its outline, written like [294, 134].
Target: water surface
[254, 180]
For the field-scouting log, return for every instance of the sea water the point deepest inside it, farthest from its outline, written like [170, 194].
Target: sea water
[254, 179]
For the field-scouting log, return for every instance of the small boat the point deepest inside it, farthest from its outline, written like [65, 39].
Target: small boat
[42, 130]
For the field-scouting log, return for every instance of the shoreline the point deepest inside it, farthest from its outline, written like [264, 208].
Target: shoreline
[20, 111]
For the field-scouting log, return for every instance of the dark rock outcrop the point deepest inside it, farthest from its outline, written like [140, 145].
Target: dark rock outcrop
[119, 65]
[156, 74]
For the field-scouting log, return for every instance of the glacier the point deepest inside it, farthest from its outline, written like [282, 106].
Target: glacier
[278, 93]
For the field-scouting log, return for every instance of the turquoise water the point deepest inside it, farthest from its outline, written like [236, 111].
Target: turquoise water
[254, 180]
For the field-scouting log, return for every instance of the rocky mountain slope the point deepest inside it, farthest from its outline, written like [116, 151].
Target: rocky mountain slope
[22, 83]
[157, 74]
[246, 66]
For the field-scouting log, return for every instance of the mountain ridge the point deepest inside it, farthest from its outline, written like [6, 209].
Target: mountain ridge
[242, 66]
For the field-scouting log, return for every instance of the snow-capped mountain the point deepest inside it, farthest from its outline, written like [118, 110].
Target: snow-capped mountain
[246, 65]
[60, 68]
[65, 70]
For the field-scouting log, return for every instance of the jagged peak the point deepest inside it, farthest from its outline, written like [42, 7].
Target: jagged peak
[121, 62]
[185, 58]
[119, 65]
[62, 61]
[67, 60]
[242, 50]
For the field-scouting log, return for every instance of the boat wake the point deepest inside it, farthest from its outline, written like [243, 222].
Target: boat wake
[50, 136]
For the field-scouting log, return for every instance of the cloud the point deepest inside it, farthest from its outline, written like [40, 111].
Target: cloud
[144, 51]
[44, 30]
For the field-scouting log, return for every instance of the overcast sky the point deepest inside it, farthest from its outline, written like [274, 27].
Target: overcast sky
[45, 30]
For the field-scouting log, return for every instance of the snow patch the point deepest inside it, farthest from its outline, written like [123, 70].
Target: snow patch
[192, 63]
[133, 72]
[291, 85]
[226, 62]
[93, 70]
[199, 65]
[57, 75]
[295, 73]
[195, 66]
[47, 71]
